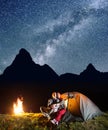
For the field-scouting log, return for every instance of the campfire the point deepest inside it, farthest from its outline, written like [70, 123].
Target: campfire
[18, 106]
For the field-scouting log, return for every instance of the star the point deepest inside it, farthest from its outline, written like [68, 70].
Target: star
[67, 35]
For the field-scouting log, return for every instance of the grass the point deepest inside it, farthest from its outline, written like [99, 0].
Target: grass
[36, 121]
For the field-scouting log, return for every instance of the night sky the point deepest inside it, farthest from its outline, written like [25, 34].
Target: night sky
[65, 34]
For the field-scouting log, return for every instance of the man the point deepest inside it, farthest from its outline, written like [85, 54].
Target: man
[58, 107]
[55, 108]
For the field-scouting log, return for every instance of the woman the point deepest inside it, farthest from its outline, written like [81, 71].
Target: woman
[58, 107]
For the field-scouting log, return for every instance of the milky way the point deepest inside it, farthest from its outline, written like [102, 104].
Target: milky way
[65, 34]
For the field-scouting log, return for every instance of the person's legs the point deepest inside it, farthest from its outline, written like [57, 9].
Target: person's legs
[45, 111]
[60, 113]
[58, 116]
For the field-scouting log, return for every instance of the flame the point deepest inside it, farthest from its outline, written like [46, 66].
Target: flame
[18, 106]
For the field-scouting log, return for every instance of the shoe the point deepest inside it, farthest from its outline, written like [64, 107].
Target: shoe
[54, 121]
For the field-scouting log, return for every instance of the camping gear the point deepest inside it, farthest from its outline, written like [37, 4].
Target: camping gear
[80, 105]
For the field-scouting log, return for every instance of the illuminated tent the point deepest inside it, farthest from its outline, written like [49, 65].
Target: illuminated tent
[80, 105]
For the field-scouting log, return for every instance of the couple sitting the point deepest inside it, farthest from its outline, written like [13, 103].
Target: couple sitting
[70, 106]
[55, 108]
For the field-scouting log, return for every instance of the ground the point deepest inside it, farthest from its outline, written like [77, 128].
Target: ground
[36, 121]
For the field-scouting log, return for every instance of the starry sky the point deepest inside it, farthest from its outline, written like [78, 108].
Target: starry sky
[65, 34]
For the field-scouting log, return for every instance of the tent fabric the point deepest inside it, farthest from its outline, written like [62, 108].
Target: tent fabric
[80, 105]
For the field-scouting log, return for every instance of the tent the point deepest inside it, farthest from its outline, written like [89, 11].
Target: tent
[80, 105]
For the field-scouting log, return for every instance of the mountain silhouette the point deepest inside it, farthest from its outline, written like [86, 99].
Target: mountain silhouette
[37, 82]
[90, 74]
[24, 69]
[90, 69]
